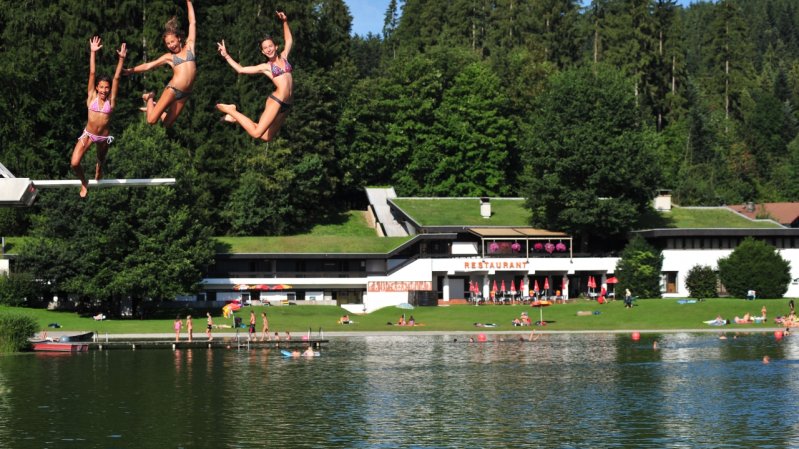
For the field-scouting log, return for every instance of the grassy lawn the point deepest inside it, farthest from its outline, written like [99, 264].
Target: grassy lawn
[464, 211]
[349, 234]
[648, 314]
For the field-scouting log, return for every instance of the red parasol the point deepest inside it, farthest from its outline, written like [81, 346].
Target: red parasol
[502, 289]
[513, 287]
[546, 283]
[535, 286]
[591, 282]
[612, 280]
[494, 288]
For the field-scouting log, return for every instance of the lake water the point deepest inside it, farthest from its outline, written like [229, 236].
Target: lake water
[561, 391]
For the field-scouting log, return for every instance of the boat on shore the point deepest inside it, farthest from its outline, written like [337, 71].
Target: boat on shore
[77, 338]
[66, 343]
[57, 346]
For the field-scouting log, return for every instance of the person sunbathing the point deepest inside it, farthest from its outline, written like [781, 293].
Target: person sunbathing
[746, 319]
[719, 321]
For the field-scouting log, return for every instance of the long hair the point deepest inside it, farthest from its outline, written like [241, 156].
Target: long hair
[172, 26]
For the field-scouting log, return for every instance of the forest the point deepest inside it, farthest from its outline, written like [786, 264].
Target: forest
[561, 102]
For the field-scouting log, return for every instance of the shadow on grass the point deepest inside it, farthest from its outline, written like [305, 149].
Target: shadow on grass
[654, 220]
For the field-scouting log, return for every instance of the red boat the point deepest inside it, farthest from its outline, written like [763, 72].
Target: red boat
[70, 343]
[55, 346]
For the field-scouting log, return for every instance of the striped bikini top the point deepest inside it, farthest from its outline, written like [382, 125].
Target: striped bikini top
[177, 60]
[95, 106]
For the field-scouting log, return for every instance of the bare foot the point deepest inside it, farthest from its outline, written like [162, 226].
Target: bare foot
[84, 190]
[226, 108]
[148, 96]
[228, 118]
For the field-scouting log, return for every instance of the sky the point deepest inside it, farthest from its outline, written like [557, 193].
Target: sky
[368, 15]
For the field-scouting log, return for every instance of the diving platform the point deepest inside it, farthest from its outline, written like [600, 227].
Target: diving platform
[21, 192]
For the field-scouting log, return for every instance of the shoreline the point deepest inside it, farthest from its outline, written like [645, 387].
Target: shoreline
[349, 334]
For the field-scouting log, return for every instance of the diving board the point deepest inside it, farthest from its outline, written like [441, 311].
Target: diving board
[106, 183]
[22, 191]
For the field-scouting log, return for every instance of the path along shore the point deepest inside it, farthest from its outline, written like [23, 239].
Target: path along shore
[297, 336]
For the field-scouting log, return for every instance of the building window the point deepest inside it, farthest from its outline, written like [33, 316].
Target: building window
[668, 282]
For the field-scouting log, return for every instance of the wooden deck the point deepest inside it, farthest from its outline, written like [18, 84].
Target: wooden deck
[201, 343]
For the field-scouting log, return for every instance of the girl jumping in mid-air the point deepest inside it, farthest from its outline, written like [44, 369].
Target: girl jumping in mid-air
[278, 69]
[101, 100]
[181, 58]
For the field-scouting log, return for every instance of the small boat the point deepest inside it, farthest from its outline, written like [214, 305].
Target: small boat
[57, 346]
[76, 338]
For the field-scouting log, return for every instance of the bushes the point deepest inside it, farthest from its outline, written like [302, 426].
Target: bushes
[15, 288]
[639, 269]
[701, 282]
[755, 265]
[15, 330]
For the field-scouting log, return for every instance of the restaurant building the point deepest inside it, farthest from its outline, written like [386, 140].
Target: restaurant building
[452, 263]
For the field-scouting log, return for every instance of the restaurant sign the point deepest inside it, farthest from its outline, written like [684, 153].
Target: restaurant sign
[495, 265]
[399, 286]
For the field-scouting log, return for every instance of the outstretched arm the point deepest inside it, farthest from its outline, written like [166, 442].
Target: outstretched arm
[95, 44]
[287, 39]
[249, 70]
[148, 65]
[122, 52]
[192, 23]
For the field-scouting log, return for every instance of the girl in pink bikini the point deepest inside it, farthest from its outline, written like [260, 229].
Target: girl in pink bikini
[277, 69]
[100, 101]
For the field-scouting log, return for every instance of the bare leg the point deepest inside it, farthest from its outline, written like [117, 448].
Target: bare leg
[102, 153]
[168, 118]
[77, 154]
[255, 130]
[149, 101]
[155, 111]
[273, 129]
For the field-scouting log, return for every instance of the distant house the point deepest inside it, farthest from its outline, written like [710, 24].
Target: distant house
[786, 214]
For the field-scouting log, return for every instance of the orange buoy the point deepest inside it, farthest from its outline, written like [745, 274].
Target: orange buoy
[636, 336]
[482, 337]
[778, 335]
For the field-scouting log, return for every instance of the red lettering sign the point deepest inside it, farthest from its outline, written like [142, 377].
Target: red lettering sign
[399, 286]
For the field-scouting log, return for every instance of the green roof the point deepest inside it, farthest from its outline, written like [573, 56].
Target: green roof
[511, 212]
[703, 218]
[464, 211]
[350, 234]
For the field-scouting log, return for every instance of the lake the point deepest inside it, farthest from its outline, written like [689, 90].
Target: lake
[560, 391]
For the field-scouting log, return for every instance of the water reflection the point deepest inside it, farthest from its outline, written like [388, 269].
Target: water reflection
[599, 390]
